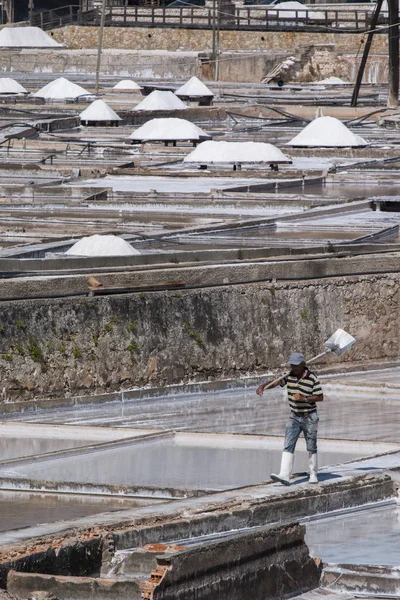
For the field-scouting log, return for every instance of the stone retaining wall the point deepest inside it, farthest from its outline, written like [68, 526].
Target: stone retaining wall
[63, 347]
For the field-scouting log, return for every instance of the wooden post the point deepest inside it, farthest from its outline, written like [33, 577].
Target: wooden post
[393, 91]
[364, 59]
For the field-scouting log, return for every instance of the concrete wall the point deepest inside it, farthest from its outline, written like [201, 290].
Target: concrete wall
[333, 54]
[62, 347]
[174, 54]
[268, 564]
[146, 38]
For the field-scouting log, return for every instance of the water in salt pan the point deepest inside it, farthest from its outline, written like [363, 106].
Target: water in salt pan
[369, 536]
[101, 245]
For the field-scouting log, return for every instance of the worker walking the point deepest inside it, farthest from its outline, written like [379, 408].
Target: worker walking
[304, 390]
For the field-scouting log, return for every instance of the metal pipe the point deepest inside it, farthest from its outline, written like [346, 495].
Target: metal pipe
[367, 47]
[100, 44]
[393, 91]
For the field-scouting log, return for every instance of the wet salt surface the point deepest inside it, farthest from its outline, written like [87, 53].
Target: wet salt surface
[189, 462]
[24, 509]
[348, 412]
[370, 536]
[15, 447]
[165, 184]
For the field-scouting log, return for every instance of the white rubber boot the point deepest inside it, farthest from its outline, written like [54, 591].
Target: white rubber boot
[313, 464]
[286, 469]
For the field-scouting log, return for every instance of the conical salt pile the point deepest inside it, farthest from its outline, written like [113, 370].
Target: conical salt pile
[127, 84]
[10, 86]
[61, 89]
[169, 130]
[194, 88]
[159, 100]
[101, 245]
[26, 37]
[327, 132]
[99, 111]
[331, 81]
[236, 152]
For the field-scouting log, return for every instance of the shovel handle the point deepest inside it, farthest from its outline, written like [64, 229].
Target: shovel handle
[274, 383]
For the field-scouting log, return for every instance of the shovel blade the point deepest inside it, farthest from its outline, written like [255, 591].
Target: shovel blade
[339, 342]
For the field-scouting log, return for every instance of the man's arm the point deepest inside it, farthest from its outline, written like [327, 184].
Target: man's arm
[269, 385]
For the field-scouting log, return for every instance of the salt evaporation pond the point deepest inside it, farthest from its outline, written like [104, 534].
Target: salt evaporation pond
[29, 509]
[369, 536]
[165, 184]
[204, 462]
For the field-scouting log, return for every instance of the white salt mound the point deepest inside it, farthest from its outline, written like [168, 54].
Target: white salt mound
[26, 37]
[61, 89]
[236, 152]
[99, 111]
[101, 245]
[168, 130]
[159, 100]
[194, 88]
[331, 81]
[10, 86]
[294, 9]
[127, 84]
[327, 132]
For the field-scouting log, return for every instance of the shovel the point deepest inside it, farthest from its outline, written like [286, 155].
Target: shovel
[338, 344]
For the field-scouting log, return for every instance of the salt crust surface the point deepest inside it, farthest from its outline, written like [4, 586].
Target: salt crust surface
[159, 100]
[327, 132]
[101, 245]
[294, 9]
[236, 152]
[99, 111]
[10, 86]
[194, 87]
[168, 129]
[60, 89]
[127, 84]
[26, 37]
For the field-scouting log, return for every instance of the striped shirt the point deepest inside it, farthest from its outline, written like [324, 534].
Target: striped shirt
[308, 385]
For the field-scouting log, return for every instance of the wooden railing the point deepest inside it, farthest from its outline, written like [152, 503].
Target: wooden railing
[60, 17]
[252, 18]
[245, 17]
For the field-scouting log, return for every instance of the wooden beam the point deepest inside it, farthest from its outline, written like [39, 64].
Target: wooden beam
[393, 91]
[360, 74]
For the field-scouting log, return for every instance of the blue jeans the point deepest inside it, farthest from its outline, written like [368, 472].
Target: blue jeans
[308, 424]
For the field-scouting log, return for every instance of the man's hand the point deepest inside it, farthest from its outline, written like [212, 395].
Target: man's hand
[260, 389]
[299, 397]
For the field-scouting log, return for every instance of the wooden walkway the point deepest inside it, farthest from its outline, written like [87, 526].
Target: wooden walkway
[250, 18]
